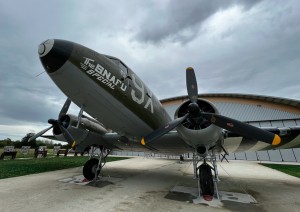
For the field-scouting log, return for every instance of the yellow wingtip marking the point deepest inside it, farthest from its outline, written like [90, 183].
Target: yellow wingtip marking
[276, 140]
[74, 143]
[143, 141]
[189, 69]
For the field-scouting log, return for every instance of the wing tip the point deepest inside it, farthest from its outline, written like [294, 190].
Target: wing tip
[276, 140]
[143, 141]
[189, 69]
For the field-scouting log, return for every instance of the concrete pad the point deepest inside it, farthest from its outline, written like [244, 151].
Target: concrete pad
[81, 180]
[141, 184]
[223, 196]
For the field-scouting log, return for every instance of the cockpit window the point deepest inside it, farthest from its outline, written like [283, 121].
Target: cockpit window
[123, 69]
[115, 61]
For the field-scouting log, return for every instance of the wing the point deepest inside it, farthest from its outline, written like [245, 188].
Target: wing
[289, 139]
[169, 143]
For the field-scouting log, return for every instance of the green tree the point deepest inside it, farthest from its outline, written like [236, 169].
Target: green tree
[6, 142]
[17, 144]
[24, 141]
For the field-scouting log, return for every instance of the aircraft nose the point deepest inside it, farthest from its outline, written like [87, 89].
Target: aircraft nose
[45, 47]
[54, 53]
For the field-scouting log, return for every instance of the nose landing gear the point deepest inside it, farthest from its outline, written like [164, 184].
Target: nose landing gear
[207, 183]
[206, 180]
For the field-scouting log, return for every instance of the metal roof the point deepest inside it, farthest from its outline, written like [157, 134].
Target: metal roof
[272, 99]
[244, 112]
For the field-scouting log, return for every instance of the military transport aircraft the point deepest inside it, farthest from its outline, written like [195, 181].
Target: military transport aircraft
[109, 91]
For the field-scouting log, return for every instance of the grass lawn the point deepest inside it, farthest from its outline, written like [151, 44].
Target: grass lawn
[30, 153]
[20, 167]
[293, 170]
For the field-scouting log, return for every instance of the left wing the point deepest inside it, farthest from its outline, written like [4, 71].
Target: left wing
[289, 138]
[169, 143]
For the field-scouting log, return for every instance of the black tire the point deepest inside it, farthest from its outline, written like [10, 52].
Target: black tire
[206, 180]
[90, 168]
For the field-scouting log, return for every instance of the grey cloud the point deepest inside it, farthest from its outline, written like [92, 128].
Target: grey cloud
[260, 54]
[180, 21]
[27, 103]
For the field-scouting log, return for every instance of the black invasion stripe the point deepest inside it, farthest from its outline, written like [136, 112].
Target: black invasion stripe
[246, 144]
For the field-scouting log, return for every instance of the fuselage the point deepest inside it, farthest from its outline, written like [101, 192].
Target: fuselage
[113, 94]
[107, 89]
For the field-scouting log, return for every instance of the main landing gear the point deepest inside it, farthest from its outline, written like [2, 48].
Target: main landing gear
[207, 183]
[93, 166]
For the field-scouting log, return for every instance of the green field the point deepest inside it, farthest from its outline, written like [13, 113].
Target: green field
[293, 170]
[20, 167]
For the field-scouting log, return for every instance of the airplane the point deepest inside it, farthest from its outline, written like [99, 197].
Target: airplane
[116, 98]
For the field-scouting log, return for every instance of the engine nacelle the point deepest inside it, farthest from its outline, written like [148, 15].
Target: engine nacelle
[86, 127]
[200, 134]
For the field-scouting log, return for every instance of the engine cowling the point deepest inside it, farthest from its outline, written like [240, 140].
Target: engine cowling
[80, 133]
[198, 132]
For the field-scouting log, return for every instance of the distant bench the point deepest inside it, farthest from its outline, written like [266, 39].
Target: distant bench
[25, 150]
[9, 151]
[65, 152]
[41, 151]
[58, 151]
[62, 152]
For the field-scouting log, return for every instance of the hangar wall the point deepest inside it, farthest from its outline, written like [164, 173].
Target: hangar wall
[283, 155]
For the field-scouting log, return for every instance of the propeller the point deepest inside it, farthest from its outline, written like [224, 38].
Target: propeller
[195, 114]
[60, 122]
[191, 84]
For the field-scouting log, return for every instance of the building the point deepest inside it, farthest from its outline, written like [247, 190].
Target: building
[257, 110]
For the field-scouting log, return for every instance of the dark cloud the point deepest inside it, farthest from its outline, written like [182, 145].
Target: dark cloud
[180, 21]
[254, 51]
[24, 98]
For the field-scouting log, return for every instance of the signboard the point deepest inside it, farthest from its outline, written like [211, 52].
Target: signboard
[9, 149]
[25, 150]
[42, 148]
[56, 149]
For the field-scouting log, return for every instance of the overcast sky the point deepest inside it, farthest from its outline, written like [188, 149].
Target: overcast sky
[235, 46]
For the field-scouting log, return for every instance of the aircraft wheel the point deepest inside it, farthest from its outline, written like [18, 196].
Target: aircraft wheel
[206, 180]
[90, 167]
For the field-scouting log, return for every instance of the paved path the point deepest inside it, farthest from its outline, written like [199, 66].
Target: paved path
[141, 184]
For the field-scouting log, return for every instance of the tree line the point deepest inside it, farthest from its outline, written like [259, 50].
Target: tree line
[33, 144]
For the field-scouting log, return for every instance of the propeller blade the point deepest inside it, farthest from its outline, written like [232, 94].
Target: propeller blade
[191, 84]
[64, 108]
[163, 130]
[243, 129]
[39, 134]
[67, 135]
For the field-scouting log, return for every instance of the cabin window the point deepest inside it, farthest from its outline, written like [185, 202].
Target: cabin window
[123, 69]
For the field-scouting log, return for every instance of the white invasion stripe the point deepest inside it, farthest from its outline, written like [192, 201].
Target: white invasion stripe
[260, 145]
[232, 144]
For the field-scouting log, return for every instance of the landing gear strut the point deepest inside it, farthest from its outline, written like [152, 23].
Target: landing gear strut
[93, 166]
[207, 183]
